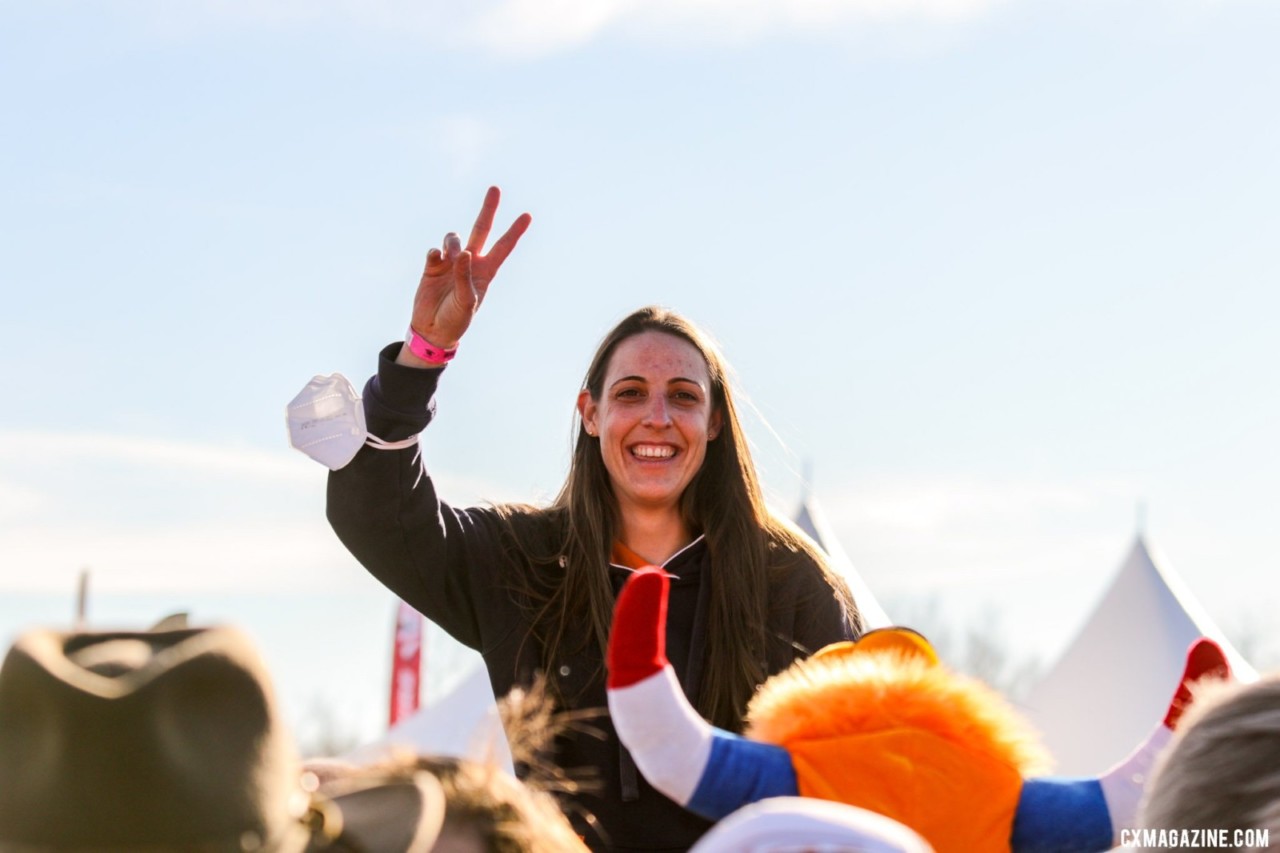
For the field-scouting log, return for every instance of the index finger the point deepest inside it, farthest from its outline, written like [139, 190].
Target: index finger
[484, 222]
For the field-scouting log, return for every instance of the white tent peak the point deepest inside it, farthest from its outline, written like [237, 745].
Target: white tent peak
[1113, 683]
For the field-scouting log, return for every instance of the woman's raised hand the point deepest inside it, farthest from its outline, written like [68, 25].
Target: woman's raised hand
[456, 279]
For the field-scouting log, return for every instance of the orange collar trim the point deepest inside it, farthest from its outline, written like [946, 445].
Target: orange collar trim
[623, 556]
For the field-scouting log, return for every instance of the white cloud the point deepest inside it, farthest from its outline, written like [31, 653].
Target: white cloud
[17, 501]
[157, 514]
[1036, 552]
[936, 505]
[183, 20]
[531, 28]
[148, 514]
[35, 450]
[525, 28]
[191, 557]
[1039, 553]
[49, 448]
[942, 532]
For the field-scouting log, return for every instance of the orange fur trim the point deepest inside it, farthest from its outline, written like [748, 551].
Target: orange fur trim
[831, 697]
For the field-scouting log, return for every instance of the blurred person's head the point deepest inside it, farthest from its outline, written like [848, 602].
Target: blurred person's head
[487, 810]
[1222, 769]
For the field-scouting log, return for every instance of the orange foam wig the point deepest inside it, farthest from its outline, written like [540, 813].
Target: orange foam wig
[882, 725]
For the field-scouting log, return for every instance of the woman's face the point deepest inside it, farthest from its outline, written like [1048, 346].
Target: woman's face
[654, 418]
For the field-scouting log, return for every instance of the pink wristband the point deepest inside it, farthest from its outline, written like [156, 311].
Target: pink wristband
[427, 351]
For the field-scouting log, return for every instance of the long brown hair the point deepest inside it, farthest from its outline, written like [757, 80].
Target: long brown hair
[723, 501]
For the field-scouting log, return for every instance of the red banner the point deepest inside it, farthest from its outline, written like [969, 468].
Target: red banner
[406, 664]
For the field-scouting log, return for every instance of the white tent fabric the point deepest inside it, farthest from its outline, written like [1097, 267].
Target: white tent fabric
[1113, 683]
[811, 519]
[462, 723]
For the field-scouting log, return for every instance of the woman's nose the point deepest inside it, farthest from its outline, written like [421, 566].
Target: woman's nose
[657, 414]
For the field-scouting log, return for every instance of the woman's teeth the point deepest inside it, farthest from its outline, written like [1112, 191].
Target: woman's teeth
[645, 451]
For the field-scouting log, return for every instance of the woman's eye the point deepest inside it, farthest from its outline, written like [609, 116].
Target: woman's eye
[686, 396]
[630, 392]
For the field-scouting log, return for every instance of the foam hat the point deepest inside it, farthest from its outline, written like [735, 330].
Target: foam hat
[166, 740]
[879, 724]
[788, 824]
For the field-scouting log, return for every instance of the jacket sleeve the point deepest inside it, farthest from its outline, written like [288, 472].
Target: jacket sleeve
[443, 561]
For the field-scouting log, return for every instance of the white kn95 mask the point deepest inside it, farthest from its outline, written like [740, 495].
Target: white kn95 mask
[326, 422]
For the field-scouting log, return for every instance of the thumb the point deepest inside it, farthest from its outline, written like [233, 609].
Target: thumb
[638, 638]
[1205, 659]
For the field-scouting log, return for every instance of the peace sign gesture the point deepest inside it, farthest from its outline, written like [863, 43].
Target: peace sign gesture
[456, 280]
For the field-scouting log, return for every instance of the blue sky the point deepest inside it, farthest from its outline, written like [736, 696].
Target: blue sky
[997, 271]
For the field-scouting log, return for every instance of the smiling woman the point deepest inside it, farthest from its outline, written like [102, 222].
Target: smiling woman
[660, 474]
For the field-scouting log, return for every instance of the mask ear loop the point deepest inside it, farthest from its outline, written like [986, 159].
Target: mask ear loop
[382, 444]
